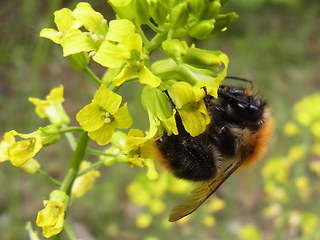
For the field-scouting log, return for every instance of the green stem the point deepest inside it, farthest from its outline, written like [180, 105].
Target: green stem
[68, 132]
[141, 33]
[156, 42]
[71, 140]
[170, 33]
[70, 129]
[99, 153]
[93, 166]
[153, 27]
[49, 178]
[69, 231]
[92, 75]
[77, 157]
[74, 165]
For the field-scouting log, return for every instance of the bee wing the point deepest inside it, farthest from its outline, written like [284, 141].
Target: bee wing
[203, 192]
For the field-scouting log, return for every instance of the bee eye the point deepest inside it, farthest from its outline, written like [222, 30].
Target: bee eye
[248, 111]
[242, 105]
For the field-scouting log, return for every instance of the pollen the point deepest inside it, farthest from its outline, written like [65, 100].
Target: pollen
[107, 117]
[107, 120]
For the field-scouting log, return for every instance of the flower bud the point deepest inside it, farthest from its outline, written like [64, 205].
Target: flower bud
[196, 6]
[223, 20]
[165, 69]
[30, 166]
[201, 58]
[158, 11]
[79, 60]
[174, 48]
[118, 139]
[212, 10]
[141, 8]
[156, 102]
[186, 73]
[179, 15]
[49, 135]
[60, 196]
[202, 29]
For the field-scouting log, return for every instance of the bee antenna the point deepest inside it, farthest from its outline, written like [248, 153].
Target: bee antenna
[172, 103]
[240, 79]
[205, 90]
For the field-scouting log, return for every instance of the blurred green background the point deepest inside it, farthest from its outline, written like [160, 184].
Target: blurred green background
[274, 43]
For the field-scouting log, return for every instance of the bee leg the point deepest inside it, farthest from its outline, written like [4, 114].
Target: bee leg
[224, 140]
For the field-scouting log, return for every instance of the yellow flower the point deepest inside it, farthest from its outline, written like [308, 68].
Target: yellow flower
[140, 151]
[20, 153]
[51, 218]
[143, 220]
[30, 166]
[103, 114]
[303, 186]
[65, 21]
[250, 231]
[84, 183]
[127, 52]
[190, 107]
[69, 35]
[52, 107]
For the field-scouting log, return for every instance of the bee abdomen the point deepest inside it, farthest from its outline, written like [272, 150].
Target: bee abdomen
[190, 159]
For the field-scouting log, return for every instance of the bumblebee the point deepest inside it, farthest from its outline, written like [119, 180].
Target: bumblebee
[240, 129]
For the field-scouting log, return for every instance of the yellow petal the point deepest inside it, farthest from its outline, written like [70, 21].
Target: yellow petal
[30, 166]
[111, 55]
[124, 75]
[56, 94]
[122, 118]
[51, 34]
[107, 99]
[119, 30]
[133, 42]
[146, 77]
[102, 135]
[90, 118]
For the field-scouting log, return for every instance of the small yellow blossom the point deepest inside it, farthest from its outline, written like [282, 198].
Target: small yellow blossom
[310, 222]
[190, 107]
[273, 210]
[52, 107]
[140, 151]
[30, 166]
[251, 232]
[103, 114]
[51, 218]
[64, 21]
[143, 220]
[315, 167]
[296, 153]
[302, 183]
[209, 221]
[127, 52]
[216, 204]
[84, 183]
[20, 153]
[291, 129]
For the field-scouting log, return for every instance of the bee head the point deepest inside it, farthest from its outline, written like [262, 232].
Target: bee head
[240, 104]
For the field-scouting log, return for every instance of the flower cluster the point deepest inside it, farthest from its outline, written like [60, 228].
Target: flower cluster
[288, 179]
[103, 114]
[21, 153]
[172, 86]
[51, 218]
